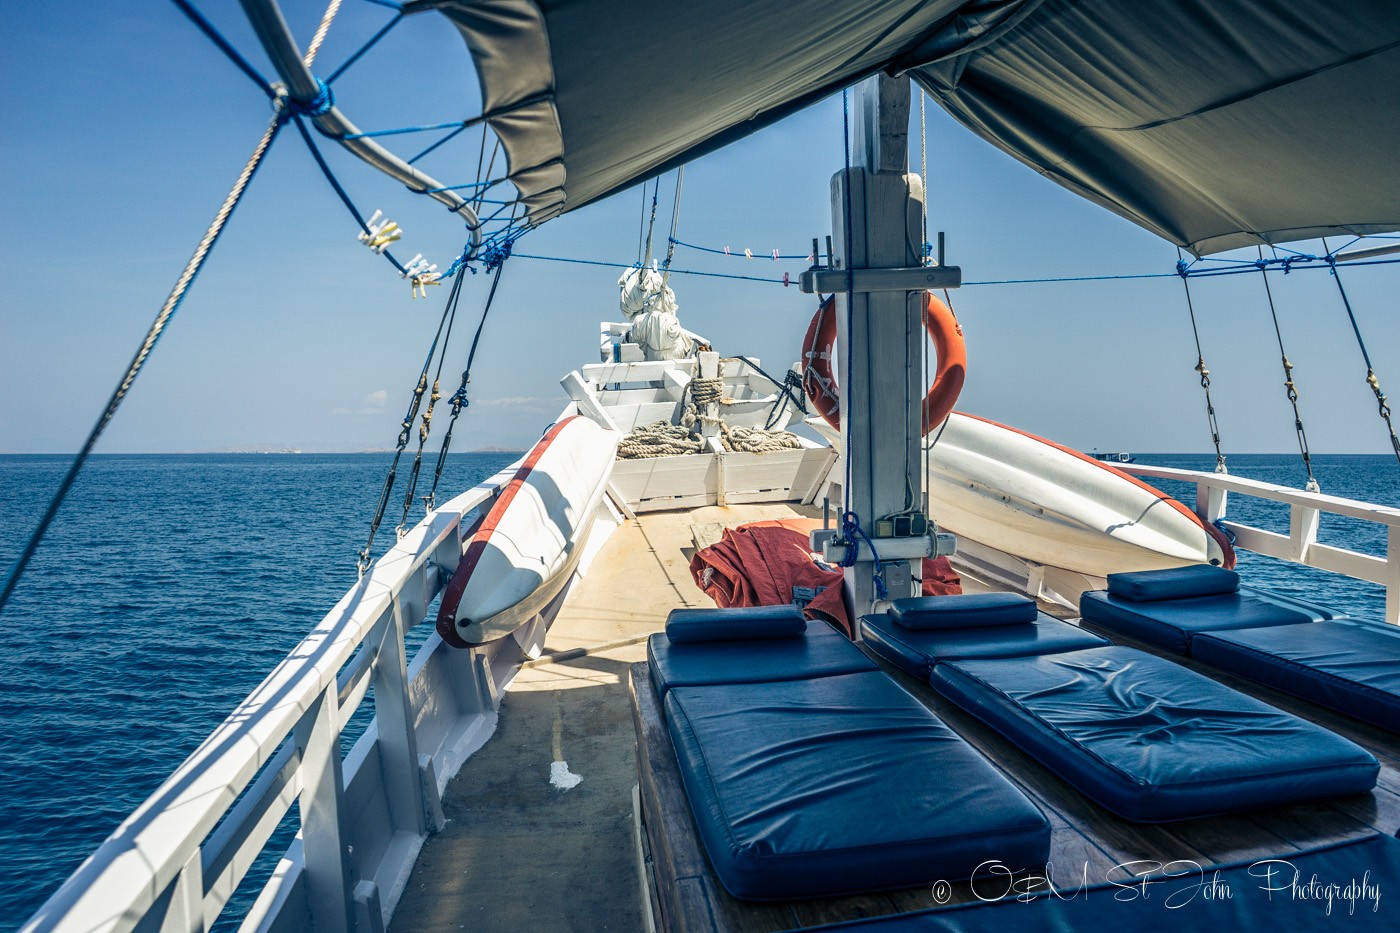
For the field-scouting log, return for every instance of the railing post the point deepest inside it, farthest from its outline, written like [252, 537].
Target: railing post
[1210, 502]
[398, 741]
[1302, 531]
[328, 874]
[1392, 575]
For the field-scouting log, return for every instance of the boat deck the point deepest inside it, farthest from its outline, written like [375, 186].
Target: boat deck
[520, 852]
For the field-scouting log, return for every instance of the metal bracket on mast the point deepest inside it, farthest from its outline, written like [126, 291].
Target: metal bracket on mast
[831, 281]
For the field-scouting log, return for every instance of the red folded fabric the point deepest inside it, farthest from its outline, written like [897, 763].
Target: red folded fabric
[769, 564]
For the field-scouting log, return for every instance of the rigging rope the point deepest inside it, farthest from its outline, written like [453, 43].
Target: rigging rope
[675, 220]
[651, 225]
[1372, 380]
[923, 175]
[321, 29]
[405, 430]
[425, 423]
[1292, 389]
[459, 398]
[1200, 367]
[162, 319]
[225, 46]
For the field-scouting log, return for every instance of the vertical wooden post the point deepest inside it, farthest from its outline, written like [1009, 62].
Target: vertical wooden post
[1302, 531]
[880, 372]
[709, 369]
[327, 860]
[1392, 575]
[398, 739]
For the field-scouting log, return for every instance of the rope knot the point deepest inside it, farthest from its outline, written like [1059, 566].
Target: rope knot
[318, 106]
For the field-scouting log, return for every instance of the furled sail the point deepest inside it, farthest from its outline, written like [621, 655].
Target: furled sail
[1214, 123]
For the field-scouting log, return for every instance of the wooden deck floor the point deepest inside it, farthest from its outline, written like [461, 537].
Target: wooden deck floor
[1088, 842]
[519, 851]
[524, 851]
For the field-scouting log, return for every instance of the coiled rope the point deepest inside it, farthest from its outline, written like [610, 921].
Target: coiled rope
[659, 439]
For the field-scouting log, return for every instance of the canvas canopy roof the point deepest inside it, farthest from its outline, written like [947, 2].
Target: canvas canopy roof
[1214, 123]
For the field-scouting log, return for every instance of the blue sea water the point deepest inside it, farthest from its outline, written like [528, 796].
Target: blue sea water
[167, 589]
[171, 585]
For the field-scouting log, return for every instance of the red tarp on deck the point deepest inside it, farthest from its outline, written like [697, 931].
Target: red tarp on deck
[762, 563]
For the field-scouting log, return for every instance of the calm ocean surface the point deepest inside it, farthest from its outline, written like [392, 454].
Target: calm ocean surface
[171, 585]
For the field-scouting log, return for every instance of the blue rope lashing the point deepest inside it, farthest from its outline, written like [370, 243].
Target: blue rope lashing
[318, 106]
[495, 254]
[854, 534]
[1220, 527]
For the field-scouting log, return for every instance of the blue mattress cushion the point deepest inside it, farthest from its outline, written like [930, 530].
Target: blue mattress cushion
[837, 785]
[917, 651]
[1171, 623]
[821, 652]
[1353, 880]
[1151, 740]
[752, 622]
[1351, 666]
[1175, 583]
[962, 611]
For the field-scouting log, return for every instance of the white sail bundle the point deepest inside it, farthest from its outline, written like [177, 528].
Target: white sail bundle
[649, 305]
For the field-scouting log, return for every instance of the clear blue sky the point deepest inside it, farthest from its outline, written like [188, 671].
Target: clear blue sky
[123, 129]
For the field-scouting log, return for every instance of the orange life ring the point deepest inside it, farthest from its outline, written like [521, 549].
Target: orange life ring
[819, 378]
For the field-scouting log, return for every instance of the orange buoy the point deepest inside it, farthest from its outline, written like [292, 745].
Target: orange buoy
[819, 376]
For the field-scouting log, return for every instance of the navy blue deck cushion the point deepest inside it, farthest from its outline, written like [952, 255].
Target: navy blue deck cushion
[1349, 665]
[1263, 895]
[1171, 623]
[838, 785]
[1151, 740]
[821, 652]
[753, 622]
[916, 651]
[1175, 583]
[962, 611]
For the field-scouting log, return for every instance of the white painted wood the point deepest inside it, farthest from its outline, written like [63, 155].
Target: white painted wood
[1336, 505]
[601, 374]
[709, 369]
[1300, 545]
[328, 875]
[1392, 575]
[582, 394]
[1302, 531]
[394, 717]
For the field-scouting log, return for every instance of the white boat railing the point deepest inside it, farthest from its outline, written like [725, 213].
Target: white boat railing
[1300, 545]
[175, 862]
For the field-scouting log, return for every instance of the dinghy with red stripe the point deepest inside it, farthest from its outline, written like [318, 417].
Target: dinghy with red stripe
[1040, 501]
[529, 544]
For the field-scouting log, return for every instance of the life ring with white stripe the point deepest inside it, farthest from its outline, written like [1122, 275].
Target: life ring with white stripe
[819, 377]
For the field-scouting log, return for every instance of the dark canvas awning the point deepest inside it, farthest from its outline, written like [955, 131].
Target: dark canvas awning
[1214, 123]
